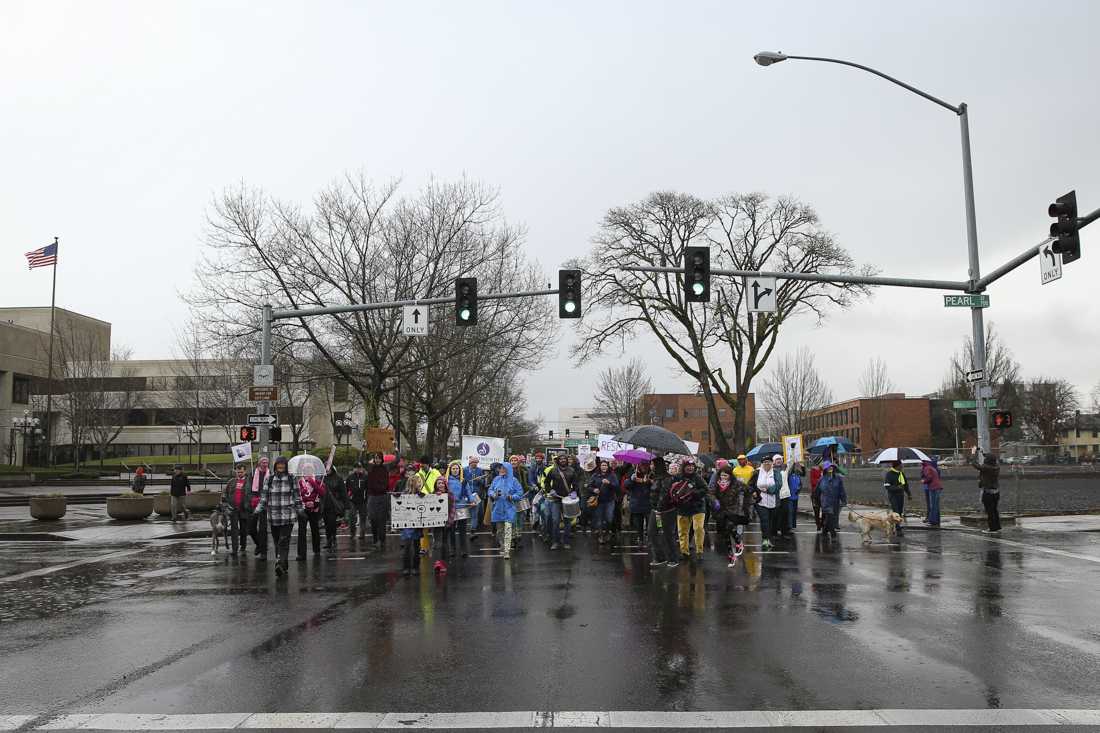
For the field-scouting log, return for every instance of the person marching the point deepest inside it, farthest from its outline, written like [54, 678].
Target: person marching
[310, 489]
[257, 522]
[662, 526]
[604, 485]
[897, 489]
[734, 500]
[505, 491]
[477, 481]
[378, 501]
[282, 502]
[796, 477]
[410, 536]
[355, 487]
[766, 482]
[830, 489]
[560, 482]
[236, 507]
[333, 506]
[461, 498]
[442, 537]
[179, 487]
[690, 494]
[638, 489]
[743, 470]
[519, 472]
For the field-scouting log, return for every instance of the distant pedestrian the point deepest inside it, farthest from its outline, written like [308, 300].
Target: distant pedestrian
[560, 482]
[815, 498]
[282, 501]
[410, 544]
[257, 522]
[442, 538]
[310, 489]
[179, 487]
[783, 508]
[478, 482]
[734, 500]
[333, 505]
[795, 478]
[897, 490]
[638, 489]
[461, 497]
[137, 485]
[833, 497]
[933, 488]
[689, 494]
[989, 476]
[505, 491]
[604, 485]
[236, 507]
[662, 525]
[378, 502]
[355, 487]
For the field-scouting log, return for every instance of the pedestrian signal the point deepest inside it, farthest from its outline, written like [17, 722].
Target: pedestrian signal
[1002, 419]
[248, 434]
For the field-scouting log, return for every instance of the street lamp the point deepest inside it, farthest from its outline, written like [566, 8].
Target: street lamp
[767, 58]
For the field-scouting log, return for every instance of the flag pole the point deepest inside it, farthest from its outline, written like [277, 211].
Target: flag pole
[49, 366]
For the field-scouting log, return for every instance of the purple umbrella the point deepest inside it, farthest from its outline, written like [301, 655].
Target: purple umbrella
[633, 456]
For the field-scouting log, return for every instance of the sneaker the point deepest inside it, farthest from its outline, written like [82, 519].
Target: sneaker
[731, 561]
[656, 563]
[766, 545]
[555, 546]
[991, 531]
[567, 546]
[699, 556]
[739, 550]
[673, 564]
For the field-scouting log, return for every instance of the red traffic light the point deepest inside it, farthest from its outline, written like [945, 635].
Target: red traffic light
[248, 434]
[1002, 420]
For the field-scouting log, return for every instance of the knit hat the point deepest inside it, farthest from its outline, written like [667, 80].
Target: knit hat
[281, 460]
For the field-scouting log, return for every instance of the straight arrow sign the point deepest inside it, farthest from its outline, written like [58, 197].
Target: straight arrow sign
[761, 293]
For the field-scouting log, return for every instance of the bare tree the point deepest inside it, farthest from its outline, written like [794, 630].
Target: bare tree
[873, 384]
[1002, 373]
[83, 368]
[793, 391]
[1049, 404]
[745, 232]
[1094, 396]
[618, 396]
[191, 396]
[112, 393]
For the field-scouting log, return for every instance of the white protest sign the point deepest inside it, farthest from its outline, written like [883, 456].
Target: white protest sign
[488, 450]
[692, 446]
[583, 452]
[412, 511]
[242, 452]
[608, 444]
[793, 449]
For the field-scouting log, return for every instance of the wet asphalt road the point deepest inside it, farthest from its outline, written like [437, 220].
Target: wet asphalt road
[947, 619]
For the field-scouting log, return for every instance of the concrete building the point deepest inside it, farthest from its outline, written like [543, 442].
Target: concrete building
[686, 415]
[874, 423]
[576, 420]
[158, 407]
[1080, 439]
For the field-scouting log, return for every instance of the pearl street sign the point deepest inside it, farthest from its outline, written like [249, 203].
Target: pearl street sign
[969, 300]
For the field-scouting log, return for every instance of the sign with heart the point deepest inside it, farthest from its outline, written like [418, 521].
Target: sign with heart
[414, 512]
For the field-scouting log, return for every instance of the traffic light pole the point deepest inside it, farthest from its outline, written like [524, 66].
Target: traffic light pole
[265, 360]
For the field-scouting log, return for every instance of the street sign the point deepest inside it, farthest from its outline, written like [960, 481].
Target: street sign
[762, 294]
[975, 375]
[971, 404]
[262, 420]
[414, 320]
[263, 394]
[969, 300]
[263, 375]
[1050, 263]
[578, 442]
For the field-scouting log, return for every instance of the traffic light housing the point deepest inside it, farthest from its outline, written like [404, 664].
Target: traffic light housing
[551, 435]
[1002, 419]
[275, 434]
[248, 433]
[968, 421]
[569, 293]
[466, 301]
[1068, 241]
[697, 274]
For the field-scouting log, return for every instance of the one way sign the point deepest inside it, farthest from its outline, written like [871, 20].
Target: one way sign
[761, 294]
[414, 321]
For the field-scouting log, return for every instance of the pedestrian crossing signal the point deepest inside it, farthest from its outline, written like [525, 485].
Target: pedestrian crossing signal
[248, 434]
[1002, 420]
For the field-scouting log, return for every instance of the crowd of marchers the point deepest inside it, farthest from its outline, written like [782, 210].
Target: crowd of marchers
[663, 506]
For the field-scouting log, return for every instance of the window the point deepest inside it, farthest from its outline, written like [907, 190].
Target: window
[721, 411]
[21, 390]
[339, 390]
[687, 435]
[705, 435]
[670, 413]
[855, 414]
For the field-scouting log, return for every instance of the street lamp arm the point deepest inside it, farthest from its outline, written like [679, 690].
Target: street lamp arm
[887, 77]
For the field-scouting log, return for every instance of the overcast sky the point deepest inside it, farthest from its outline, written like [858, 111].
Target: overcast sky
[120, 120]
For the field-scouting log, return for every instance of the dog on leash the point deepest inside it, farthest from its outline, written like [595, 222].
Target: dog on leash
[217, 529]
[887, 522]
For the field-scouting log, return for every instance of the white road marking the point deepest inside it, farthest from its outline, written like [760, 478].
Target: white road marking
[65, 566]
[1037, 548]
[818, 719]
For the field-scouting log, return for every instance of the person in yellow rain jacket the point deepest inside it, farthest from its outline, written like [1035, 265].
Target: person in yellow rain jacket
[428, 474]
[743, 470]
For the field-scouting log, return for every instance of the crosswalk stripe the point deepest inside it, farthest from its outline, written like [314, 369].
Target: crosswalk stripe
[817, 719]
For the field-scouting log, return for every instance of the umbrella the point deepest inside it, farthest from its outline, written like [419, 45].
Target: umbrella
[306, 465]
[653, 438]
[389, 458]
[635, 456]
[764, 450]
[838, 443]
[905, 455]
[707, 459]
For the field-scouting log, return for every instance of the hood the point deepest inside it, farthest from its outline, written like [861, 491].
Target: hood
[508, 470]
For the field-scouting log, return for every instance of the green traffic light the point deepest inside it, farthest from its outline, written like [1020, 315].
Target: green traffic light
[464, 314]
[570, 306]
[698, 288]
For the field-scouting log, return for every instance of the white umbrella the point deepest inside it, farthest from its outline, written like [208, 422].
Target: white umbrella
[306, 465]
[905, 455]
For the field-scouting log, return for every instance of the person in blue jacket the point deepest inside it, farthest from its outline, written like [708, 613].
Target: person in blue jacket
[637, 488]
[831, 491]
[461, 494]
[477, 482]
[795, 476]
[505, 491]
[604, 485]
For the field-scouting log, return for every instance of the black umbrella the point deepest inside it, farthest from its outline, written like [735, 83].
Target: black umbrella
[653, 438]
[707, 459]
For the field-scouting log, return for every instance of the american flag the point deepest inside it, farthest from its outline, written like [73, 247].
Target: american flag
[43, 256]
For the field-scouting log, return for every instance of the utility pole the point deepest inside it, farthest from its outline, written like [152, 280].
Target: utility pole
[265, 360]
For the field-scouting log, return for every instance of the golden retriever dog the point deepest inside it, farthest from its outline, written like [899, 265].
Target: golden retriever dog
[887, 522]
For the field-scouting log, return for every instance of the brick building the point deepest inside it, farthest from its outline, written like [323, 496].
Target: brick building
[875, 423]
[686, 415]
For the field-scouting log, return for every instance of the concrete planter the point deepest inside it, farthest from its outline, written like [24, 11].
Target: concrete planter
[129, 509]
[162, 504]
[203, 501]
[48, 508]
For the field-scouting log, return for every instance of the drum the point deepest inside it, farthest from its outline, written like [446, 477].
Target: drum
[475, 499]
[571, 507]
[523, 504]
